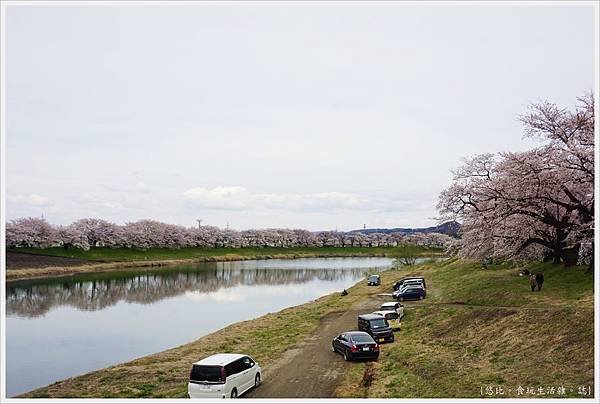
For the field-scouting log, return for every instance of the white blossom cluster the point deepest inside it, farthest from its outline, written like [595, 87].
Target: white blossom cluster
[143, 234]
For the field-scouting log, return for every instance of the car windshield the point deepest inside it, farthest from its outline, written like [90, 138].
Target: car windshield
[362, 338]
[373, 277]
[379, 323]
[202, 373]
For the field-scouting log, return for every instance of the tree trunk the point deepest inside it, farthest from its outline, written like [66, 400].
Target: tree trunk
[570, 255]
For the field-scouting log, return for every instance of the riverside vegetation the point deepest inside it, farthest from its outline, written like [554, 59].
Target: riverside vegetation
[104, 254]
[101, 259]
[478, 327]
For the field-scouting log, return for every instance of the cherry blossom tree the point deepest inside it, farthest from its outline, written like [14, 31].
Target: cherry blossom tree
[99, 233]
[144, 234]
[569, 137]
[533, 204]
[204, 236]
[72, 236]
[30, 232]
[147, 233]
[305, 238]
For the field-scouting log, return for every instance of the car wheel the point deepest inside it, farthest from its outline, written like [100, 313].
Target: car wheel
[257, 380]
[346, 356]
[234, 393]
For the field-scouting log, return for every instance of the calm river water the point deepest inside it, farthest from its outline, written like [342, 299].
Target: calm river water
[62, 327]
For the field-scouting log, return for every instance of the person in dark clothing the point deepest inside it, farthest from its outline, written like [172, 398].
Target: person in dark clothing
[536, 280]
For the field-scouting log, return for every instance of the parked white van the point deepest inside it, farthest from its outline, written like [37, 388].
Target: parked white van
[222, 376]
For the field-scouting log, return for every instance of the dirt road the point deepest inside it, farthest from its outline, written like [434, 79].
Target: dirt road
[312, 369]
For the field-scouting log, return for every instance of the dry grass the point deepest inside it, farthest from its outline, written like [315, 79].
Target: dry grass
[453, 350]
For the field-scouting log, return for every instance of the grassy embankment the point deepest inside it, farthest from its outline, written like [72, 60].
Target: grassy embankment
[103, 254]
[476, 328]
[110, 259]
[480, 328]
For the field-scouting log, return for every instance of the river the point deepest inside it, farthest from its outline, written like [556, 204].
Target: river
[62, 327]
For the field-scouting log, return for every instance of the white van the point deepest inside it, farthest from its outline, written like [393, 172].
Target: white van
[395, 306]
[222, 376]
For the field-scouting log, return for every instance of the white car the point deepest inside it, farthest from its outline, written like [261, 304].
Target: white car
[223, 375]
[394, 306]
[389, 315]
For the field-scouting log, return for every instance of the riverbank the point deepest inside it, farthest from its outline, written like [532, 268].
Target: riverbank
[107, 259]
[477, 328]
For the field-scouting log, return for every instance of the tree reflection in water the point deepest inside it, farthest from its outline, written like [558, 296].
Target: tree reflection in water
[98, 291]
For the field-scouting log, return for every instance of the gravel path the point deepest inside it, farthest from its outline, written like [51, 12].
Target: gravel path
[312, 369]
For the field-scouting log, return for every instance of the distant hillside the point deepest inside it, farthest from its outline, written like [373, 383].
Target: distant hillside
[449, 228]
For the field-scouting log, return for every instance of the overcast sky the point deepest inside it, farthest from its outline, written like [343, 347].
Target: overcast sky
[308, 116]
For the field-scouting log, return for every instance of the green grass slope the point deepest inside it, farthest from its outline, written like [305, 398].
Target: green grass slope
[484, 328]
[132, 254]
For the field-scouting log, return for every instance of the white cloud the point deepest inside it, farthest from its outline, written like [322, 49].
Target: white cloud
[218, 198]
[241, 293]
[312, 201]
[142, 187]
[239, 198]
[30, 200]
[112, 205]
[225, 295]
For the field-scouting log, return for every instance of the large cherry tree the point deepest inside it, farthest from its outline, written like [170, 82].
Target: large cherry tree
[533, 204]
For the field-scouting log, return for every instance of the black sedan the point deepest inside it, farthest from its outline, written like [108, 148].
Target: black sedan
[414, 293]
[374, 280]
[355, 345]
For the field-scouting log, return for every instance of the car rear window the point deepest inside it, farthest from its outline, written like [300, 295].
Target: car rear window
[362, 338]
[202, 373]
[379, 323]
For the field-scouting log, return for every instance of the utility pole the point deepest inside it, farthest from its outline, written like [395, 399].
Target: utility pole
[365, 226]
[199, 222]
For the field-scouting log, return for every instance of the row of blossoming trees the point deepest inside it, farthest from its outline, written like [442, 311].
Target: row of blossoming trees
[143, 234]
[537, 204]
